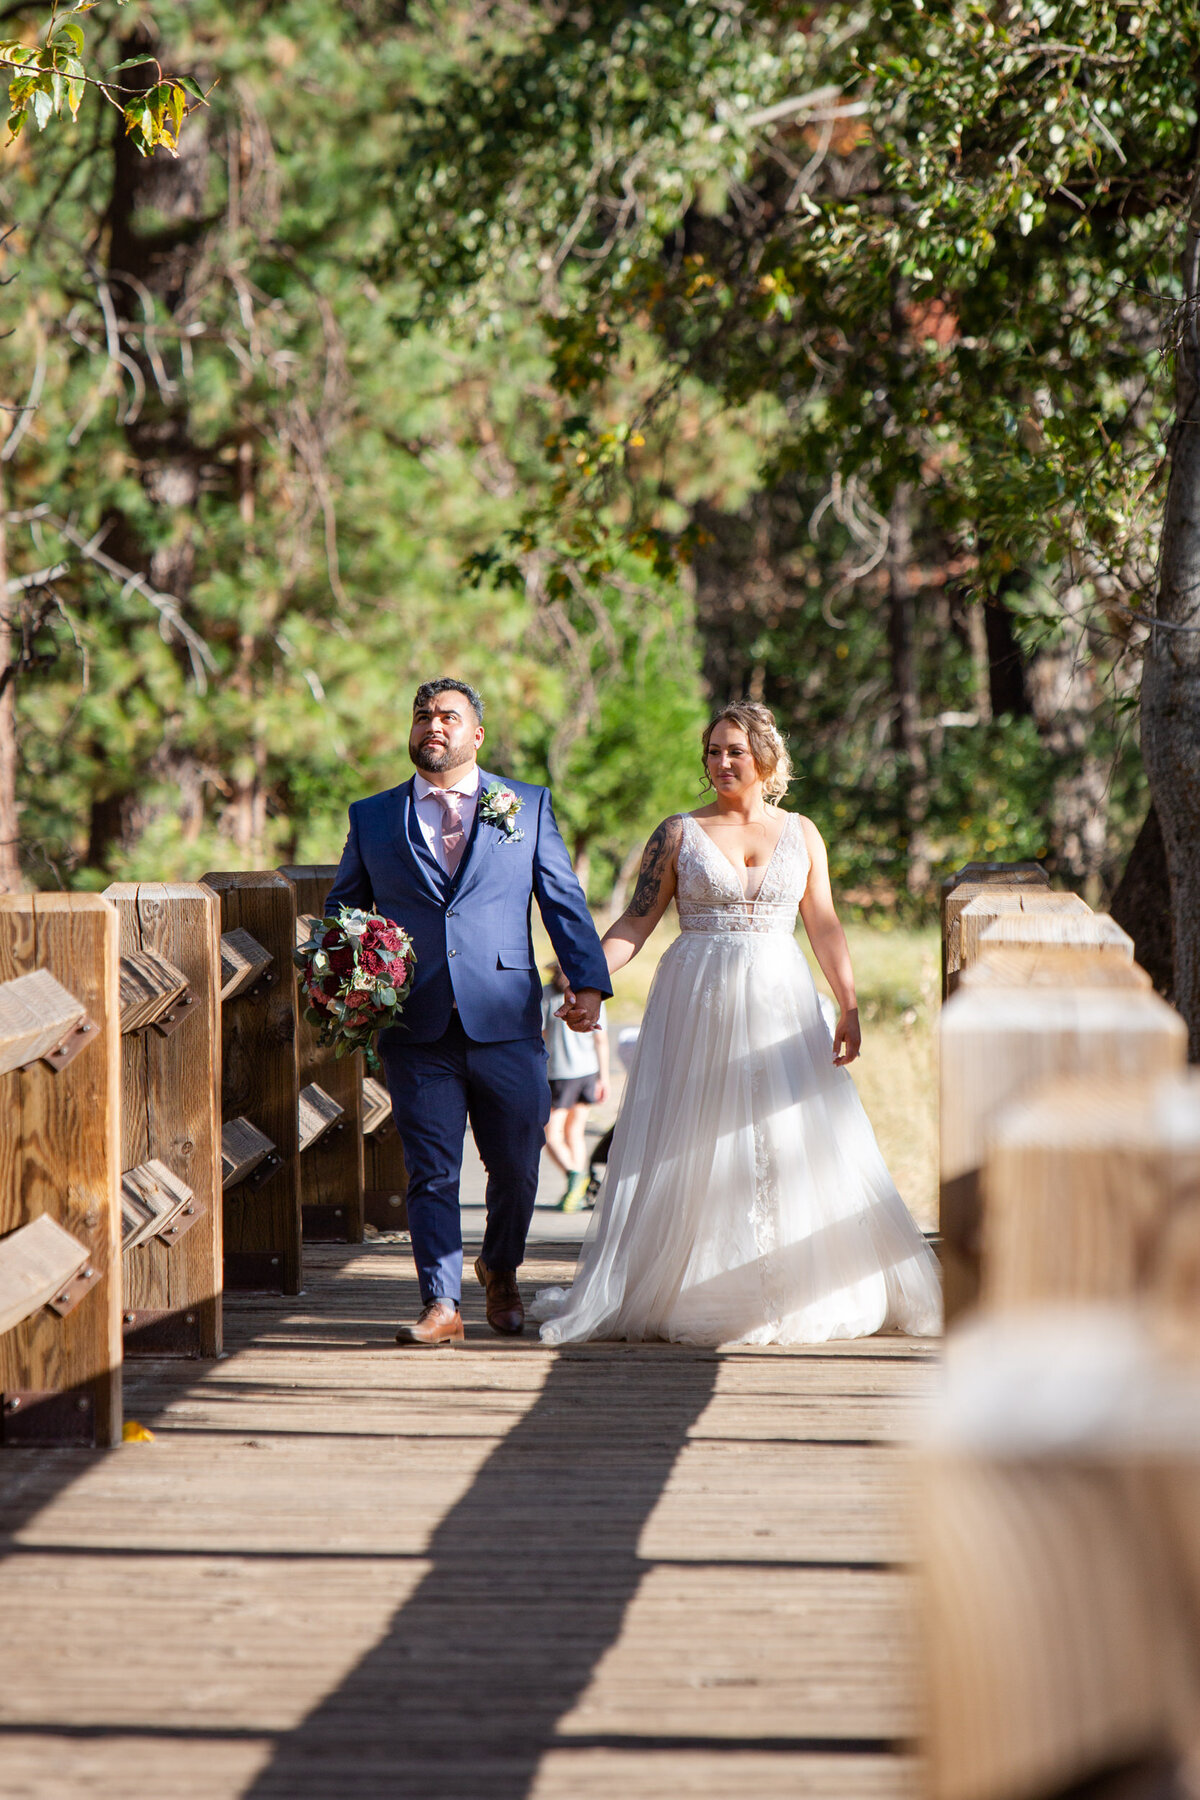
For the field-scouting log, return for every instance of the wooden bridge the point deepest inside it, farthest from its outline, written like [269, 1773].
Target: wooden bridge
[320, 1568]
[342, 1570]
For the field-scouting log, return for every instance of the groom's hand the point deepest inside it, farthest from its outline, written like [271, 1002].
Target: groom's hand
[580, 1011]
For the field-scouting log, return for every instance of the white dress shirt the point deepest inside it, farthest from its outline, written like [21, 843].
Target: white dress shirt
[429, 809]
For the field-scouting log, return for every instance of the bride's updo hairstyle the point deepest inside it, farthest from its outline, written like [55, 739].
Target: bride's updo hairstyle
[766, 743]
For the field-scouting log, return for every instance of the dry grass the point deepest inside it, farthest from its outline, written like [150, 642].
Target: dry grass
[897, 974]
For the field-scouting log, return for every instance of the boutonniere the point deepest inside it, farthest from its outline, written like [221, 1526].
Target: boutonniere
[499, 807]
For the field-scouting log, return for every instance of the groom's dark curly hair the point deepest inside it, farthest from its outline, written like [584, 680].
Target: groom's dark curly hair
[447, 685]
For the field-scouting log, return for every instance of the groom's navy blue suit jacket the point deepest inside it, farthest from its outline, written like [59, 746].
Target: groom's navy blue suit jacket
[471, 932]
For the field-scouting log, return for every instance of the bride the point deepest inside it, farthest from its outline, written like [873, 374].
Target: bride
[745, 1199]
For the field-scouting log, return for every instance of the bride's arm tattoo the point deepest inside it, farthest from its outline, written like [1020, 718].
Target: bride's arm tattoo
[656, 860]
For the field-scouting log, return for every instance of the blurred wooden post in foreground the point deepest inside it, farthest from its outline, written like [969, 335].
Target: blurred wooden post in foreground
[1058, 1647]
[331, 1168]
[979, 876]
[985, 910]
[171, 1115]
[1091, 1192]
[260, 1096]
[1055, 929]
[995, 1043]
[1050, 965]
[60, 1174]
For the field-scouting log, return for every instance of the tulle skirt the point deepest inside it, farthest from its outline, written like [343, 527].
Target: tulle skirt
[745, 1199]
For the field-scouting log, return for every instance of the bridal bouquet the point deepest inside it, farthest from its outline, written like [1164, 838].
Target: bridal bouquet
[356, 970]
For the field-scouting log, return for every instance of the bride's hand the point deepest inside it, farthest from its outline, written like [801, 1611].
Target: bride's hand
[847, 1039]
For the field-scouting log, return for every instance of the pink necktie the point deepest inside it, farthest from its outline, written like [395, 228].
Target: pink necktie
[453, 836]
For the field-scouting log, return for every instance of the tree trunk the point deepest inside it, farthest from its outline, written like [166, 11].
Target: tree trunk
[1006, 666]
[911, 772]
[156, 233]
[10, 868]
[1171, 671]
[1141, 905]
[1062, 688]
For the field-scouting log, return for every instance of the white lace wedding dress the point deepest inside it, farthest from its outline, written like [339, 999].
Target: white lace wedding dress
[745, 1199]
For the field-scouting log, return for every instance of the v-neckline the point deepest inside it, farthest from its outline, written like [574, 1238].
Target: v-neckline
[730, 864]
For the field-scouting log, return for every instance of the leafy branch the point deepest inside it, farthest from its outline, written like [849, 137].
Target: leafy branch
[50, 78]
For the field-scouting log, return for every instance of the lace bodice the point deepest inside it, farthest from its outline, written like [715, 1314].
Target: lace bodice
[709, 894]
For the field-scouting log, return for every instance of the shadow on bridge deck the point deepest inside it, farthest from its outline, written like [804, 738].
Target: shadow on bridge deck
[344, 1572]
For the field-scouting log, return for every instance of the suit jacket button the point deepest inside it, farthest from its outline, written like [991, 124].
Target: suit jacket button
[454, 953]
[449, 912]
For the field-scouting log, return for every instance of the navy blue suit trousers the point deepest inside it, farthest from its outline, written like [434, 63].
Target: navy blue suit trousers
[502, 1091]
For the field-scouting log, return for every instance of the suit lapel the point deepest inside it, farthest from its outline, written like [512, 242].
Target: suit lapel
[407, 826]
[480, 844]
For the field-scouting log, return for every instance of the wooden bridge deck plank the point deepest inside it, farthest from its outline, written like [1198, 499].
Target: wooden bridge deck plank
[345, 1571]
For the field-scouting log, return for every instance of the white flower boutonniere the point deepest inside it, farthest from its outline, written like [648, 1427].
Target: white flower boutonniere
[499, 807]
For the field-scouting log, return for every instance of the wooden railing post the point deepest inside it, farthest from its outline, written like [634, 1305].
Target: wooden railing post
[1051, 965]
[979, 876]
[973, 912]
[60, 1174]
[1044, 928]
[1055, 1631]
[386, 1178]
[171, 1114]
[996, 1042]
[331, 1169]
[1091, 1192]
[259, 1088]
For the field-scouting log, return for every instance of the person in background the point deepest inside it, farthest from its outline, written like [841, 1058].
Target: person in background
[578, 1074]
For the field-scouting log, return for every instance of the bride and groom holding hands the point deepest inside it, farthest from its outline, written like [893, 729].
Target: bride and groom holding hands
[745, 1199]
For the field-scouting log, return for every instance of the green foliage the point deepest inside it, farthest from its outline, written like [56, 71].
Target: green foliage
[51, 77]
[587, 353]
[345, 479]
[940, 238]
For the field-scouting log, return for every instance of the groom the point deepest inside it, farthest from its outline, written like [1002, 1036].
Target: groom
[455, 856]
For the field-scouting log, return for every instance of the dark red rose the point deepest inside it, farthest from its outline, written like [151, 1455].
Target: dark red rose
[341, 961]
[332, 938]
[370, 938]
[330, 985]
[371, 963]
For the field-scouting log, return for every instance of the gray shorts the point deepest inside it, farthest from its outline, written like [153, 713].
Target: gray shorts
[572, 1090]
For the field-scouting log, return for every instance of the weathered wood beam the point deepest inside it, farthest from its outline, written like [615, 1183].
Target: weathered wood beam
[36, 1014]
[150, 987]
[170, 1110]
[60, 1156]
[36, 1262]
[318, 1111]
[984, 911]
[979, 876]
[1090, 1187]
[243, 962]
[1064, 929]
[997, 1042]
[331, 1174]
[243, 1148]
[1050, 965]
[259, 1081]
[376, 1105]
[152, 1197]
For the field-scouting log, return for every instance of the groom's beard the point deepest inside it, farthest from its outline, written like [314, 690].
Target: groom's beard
[435, 762]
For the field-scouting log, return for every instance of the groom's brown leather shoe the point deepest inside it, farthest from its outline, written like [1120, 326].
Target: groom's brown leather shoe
[505, 1312]
[439, 1323]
